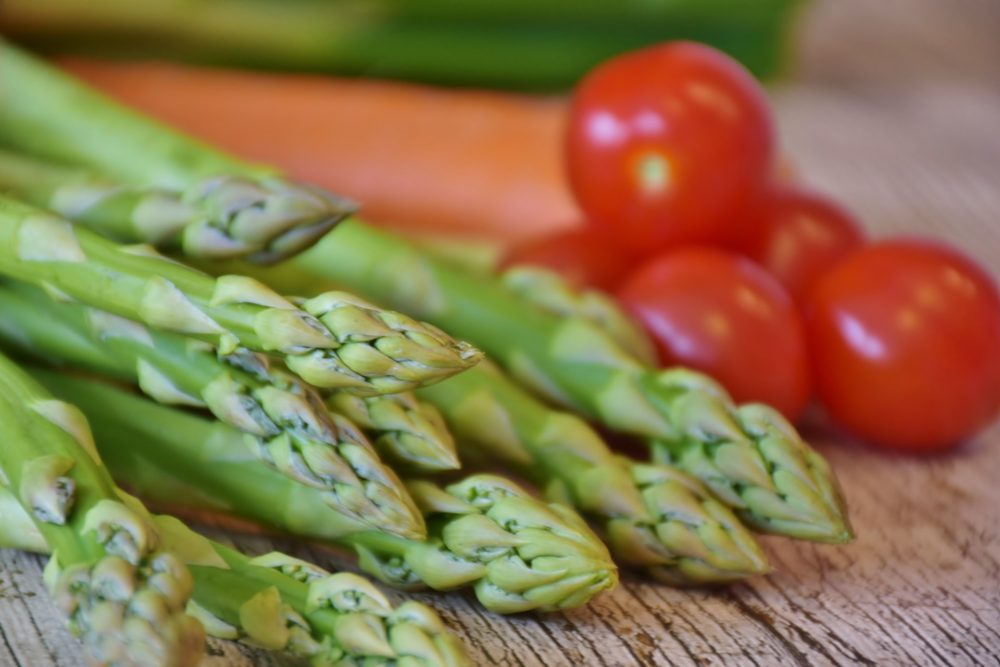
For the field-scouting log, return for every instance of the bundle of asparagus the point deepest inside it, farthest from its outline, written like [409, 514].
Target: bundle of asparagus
[341, 449]
[749, 456]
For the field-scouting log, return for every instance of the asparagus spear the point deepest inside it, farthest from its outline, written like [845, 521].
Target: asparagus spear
[335, 340]
[285, 421]
[484, 531]
[654, 516]
[122, 212]
[280, 602]
[410, 433]
[122, 591]
[550, 292]
[748, 455]
[526, 45]
[227, 208]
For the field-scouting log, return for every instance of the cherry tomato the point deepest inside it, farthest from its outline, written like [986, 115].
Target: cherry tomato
[799, 236]
[667, 144]
[720, 313]
[583, 256]
[905, 337]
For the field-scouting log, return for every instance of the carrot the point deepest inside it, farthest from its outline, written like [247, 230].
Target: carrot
[480, 165]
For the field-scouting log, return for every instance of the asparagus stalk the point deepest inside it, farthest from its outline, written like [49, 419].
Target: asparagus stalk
[550, 292]
[123, 592]
[122, 212]
[525, 45]
[334, 340]
[484, 531]
[282, 603]
[654, 517]
[410, 433]
[748, 455]
[226, 208]
[285, 422]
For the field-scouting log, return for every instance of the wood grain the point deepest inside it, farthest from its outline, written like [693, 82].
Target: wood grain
[896, 112]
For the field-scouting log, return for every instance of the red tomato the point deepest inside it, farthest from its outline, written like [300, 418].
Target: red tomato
[722, 314]
[799, 236]
[905, 337]
[583, 256]
[667, 144]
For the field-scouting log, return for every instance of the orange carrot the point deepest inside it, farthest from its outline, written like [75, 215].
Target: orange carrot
[477, 164]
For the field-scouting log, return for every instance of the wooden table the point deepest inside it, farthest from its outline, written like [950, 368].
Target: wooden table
[897, 113]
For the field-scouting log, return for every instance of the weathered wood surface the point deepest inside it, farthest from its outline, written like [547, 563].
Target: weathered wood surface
[897, 113]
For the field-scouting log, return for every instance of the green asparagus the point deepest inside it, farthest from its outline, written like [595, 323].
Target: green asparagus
[550, 292]
[282, 603]
[654, 517]
[525, 44]
[222, 207]
[519, 554]
[285, 422]
[334, 340]
[748, 455]
[410, 433]
[123, 592]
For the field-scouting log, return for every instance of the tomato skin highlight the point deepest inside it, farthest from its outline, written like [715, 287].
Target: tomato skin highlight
[905, 342]
[668, 145]
[585, 257]
[799, 236]
[718, 312]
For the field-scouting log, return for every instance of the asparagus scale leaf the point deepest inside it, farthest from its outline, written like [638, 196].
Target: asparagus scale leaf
[285, 422]
[283, 603]
[518, 553]
[766, 502]
[751, 458]
[208, 203]
[777, 481]
[334, 340]
[410, 433]
[123, 592]
[653, 516]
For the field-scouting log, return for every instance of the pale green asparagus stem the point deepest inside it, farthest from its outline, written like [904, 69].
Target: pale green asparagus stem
[121, 212]
[410, 433]
[654, 517]
[334, 340]
[281, 603]
[550, 292]
[229, 208]
[124, 592]
[748, 454]
[519, 554]
[285, 422]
